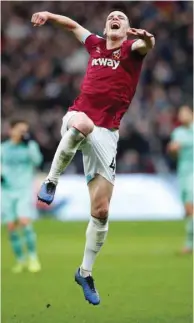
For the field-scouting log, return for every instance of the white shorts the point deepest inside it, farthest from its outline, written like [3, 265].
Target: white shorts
[99, 151]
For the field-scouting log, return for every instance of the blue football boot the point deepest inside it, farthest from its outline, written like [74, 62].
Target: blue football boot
[47, 192]
[89, 290]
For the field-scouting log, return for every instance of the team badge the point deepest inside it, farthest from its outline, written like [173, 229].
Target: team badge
[116, 54]
[98, 49]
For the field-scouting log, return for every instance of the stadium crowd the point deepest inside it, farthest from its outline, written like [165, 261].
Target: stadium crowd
[42, 69]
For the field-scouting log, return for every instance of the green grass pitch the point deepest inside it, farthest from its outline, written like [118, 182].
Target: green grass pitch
[140, 277]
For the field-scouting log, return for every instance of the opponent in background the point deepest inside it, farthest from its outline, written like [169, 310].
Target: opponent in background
[19, 158]
[181, 146]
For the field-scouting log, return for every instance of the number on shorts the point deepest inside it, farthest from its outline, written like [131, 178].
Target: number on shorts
[113, 164]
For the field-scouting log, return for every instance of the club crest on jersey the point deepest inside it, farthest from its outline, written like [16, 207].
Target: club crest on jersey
[106, 62]
[98, 49]
[116, 54]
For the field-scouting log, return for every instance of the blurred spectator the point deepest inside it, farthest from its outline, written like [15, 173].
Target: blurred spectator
[42, 69]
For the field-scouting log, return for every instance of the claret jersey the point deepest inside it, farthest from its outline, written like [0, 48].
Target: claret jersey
[110, 82]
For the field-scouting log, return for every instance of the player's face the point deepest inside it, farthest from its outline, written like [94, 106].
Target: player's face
[18, 130]
[185, 115]
[117, 25]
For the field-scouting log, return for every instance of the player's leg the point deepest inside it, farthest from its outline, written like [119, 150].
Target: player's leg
[9, 219]
[29, 236]
[76, 127]
[24, 210]
[99, 154]
[189, 229]
[100, 195]
[187, 187]
[17, 247]
[100, 191]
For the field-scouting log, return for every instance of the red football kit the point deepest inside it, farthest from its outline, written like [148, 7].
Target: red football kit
[110, 82]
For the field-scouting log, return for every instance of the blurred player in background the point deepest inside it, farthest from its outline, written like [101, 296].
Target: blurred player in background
[20, 157]
[181, 146]
[92, 123]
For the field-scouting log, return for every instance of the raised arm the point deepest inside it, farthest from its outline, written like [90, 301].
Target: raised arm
[145, 42]
[40, 18]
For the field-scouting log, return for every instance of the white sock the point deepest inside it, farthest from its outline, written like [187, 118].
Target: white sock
[95, 237]
[66, 150]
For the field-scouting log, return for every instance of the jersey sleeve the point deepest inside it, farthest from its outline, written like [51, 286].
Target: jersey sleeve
[92, 41]
[2, 151]
[133, 54]
[85, 36]
[175, 135]
[35, 153]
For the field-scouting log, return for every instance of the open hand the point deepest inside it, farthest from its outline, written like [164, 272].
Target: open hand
[39, 18]
[140, 33]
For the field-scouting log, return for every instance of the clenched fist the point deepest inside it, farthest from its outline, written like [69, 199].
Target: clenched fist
[39, 18]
